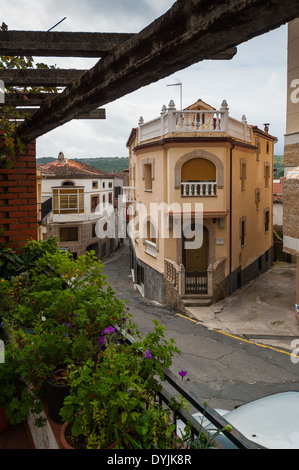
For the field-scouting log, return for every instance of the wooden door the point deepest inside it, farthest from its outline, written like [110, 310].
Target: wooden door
[197, 259]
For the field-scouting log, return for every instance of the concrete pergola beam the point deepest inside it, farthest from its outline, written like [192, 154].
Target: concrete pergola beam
[187, 33]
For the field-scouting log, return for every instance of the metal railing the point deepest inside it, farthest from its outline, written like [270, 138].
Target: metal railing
[196, 282]
[220, 423]
[178, 389]
[43, 209]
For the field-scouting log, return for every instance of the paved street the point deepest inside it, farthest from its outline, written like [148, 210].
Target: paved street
[225, 369]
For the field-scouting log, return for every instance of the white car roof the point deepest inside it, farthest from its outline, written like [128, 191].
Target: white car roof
[272, 421]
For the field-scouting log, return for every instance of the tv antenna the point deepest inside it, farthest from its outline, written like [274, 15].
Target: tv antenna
[181, 92]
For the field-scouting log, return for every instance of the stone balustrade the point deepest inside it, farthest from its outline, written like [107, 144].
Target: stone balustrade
[150, 248]
[199, 188]
[171, 271]
[200, 121]
[129, 194]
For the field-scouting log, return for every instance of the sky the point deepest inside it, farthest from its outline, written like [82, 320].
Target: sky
[254, 82]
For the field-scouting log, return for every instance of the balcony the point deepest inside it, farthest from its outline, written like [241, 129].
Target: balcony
[129, 194]
[216, 122]
[150, 248]
[43, 209]
[198, 188]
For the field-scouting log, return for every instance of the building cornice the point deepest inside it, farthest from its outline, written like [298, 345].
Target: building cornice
[169, 141]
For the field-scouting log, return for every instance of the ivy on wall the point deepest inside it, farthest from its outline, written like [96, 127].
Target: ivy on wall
[12, 144]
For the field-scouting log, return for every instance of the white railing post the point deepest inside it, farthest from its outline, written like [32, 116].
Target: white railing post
[162, 117]
[182, 274]
[224, 116]
[140, 123]
[171, 116]
[210, 279]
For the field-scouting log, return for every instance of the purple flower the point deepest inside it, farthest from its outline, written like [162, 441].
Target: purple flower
[182, 373]
[101, 340]
[148, 354]
[109, 329]
[130, 390]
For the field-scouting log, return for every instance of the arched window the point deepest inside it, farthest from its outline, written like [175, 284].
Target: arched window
[67, 183]
[198, 178]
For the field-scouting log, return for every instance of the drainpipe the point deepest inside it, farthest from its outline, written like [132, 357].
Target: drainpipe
[230, 208]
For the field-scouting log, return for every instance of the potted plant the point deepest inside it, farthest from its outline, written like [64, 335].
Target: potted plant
[15, 398]
[112, 402]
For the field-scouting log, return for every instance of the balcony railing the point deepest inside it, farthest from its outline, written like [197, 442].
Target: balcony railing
[43, 209]
[199, 188]
[199, 121]
[173, 387]
[129, 194]
[150, 248]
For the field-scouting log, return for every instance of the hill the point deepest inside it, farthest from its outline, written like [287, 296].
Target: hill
[278, 166]
[119, 164]
[109, 164]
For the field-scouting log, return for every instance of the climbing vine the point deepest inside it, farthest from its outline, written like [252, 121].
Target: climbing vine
[11, 144]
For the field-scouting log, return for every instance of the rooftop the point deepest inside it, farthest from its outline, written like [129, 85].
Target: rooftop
[66, 168]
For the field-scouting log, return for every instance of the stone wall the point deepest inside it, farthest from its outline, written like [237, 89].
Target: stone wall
[291, 216]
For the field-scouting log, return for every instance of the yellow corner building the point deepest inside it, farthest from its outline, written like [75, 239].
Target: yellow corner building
[200, 204]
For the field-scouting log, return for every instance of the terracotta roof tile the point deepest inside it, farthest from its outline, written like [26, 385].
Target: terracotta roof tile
[67, 168]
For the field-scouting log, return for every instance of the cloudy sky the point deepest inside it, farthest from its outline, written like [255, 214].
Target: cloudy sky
[253, 83]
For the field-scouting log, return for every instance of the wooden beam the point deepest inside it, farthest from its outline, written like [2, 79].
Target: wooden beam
[22, 113]
[59, 44]
[39, 77]
[186, 34]
[68, 44]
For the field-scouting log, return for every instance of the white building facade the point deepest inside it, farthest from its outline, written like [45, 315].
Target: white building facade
[78, 197]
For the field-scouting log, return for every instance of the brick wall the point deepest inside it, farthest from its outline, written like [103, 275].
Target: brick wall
[18, 200]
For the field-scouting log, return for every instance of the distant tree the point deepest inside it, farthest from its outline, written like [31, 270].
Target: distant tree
[278, 166]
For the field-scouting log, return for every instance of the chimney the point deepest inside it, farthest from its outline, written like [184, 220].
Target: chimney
[61, 157]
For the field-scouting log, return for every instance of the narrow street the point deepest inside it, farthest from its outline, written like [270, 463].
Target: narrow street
[224, 370]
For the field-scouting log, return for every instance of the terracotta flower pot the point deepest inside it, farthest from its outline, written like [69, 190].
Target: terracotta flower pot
[63, 441]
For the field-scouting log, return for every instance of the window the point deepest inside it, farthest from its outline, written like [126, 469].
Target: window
[110, 185]
[110, 198]
[242, 230]
[95, 185]
[243, 168]
[104, 250]
[148, 173]
[93, 230]
[69, 234]
[94, 203]
[258, 151]
[148, 177]
[68, 201]
[257, 198]
[267, 220]
[267, 174]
